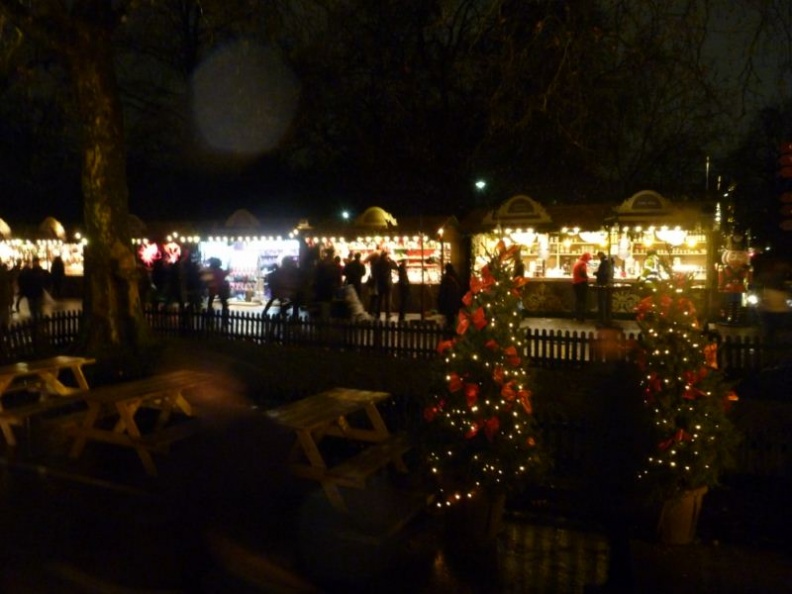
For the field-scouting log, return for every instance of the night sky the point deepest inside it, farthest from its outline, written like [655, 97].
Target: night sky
[243, 102]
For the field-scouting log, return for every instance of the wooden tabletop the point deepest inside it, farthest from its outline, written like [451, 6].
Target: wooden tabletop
[323, 408]
[52, 363]
[148, 386]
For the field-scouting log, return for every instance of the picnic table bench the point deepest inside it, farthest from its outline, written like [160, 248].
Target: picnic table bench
[331, 413]
[43, 376]
[163, 392]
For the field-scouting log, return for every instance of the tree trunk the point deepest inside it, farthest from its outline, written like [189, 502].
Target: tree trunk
[112, 308]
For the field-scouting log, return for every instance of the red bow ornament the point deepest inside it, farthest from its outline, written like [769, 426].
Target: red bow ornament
[472, 394]
[524, 397]
[479, 319]
[491, 427]
[512, 358]
[445, 345]
[455, 383]
[492, 345]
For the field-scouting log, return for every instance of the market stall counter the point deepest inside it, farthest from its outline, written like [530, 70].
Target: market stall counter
[553, 297]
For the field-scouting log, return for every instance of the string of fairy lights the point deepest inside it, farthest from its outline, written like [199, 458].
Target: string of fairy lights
[681, 386]
[486, 414]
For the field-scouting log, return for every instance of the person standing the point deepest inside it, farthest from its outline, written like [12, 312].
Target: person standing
[327, 279]
[33, 281]
[19, 276]
[6, 295]
[217, 286]
[580, 280]
[57, 274]
[773, 310]
[381, 270]
[404, 289]
[354, 271]
[604, 276]
[449, 296]
[651, 267]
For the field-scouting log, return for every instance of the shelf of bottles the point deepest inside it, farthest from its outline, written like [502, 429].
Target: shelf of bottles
[553, 254]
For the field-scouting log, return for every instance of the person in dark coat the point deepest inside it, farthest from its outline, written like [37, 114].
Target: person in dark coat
[404, 290]
[354, 271]
[603, 277]
[217, 285]
[57, 274]
[33, 283]
[383, 280]
[327, 280]
[449, 296]
[6, 295]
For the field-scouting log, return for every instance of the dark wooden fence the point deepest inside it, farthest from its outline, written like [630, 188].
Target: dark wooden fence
[415, 339]
[766, 451]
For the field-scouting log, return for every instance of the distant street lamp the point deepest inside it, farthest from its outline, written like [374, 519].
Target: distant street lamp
[345, 215]
[481, 184]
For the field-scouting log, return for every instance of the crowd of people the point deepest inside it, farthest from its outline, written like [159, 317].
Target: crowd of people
[330, 279]
[30, 283]
[374, 287]
[186, 283]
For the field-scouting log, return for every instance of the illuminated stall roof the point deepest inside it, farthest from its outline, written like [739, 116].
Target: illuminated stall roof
[51, 228]
[517, 210]
[5, 230]
[649, 207]
[646, 207]
[375, 221]
[376, 218]
[242, 219]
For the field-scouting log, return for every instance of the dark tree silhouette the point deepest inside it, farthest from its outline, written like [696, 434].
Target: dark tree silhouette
[79, 36]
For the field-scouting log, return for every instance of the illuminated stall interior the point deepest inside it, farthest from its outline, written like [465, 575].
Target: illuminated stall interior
[554, 238]
[426, 244]
[244, 247]
[46, 242]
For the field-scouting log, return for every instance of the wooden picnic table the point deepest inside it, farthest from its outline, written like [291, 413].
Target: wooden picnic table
[332, 413]
[163, 392]
[45, 377]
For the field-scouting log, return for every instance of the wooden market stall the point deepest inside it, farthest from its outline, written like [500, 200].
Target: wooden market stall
[247, 249]
[46, 241]
[427, 243]
[683, 235]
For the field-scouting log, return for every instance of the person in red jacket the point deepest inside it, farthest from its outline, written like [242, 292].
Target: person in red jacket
[580, 286]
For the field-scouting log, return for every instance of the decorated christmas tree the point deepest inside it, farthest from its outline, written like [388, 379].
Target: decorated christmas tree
[687, 398]
[483, 431]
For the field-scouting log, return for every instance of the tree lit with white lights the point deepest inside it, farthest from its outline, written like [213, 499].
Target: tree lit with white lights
[686, 395]
[483, 419]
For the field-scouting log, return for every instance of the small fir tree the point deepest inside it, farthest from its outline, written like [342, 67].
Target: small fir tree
[687, 397]
[484, 433]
